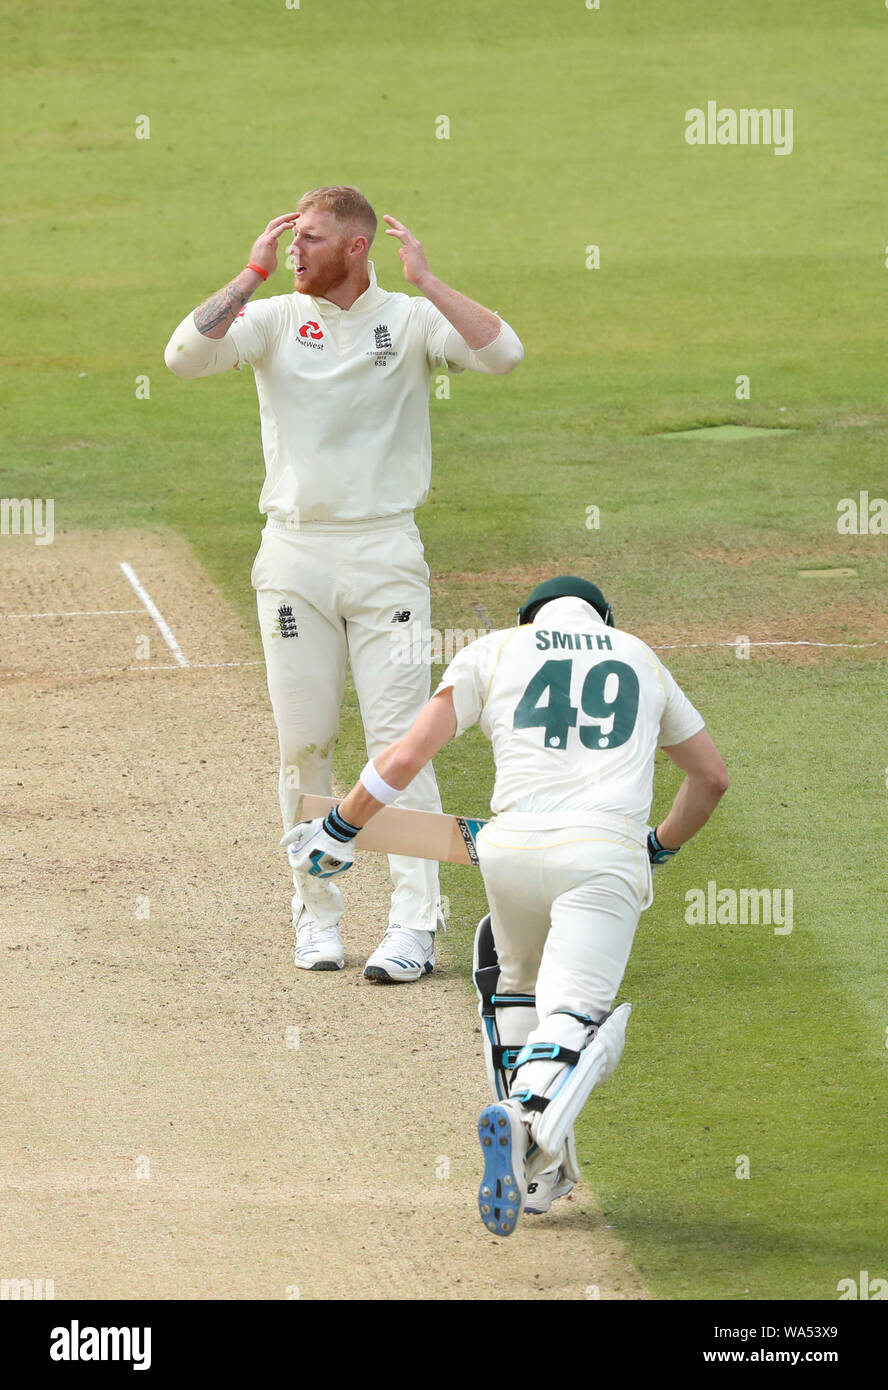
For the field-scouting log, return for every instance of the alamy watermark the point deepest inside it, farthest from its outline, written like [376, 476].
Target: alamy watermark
[28, 516]
[862, 516]
[27, 1289]
[78, 1343]
[744, 125]
[730, 907]
[414, 646]
[863, 1287]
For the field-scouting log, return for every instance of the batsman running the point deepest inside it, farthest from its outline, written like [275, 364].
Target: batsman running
[342, 371]
[575, 710]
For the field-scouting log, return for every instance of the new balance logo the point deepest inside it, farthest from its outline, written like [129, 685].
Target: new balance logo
[401, 616]
[286, 621]
[382, 336]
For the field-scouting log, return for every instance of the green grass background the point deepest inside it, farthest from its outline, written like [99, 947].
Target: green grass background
[567, 130]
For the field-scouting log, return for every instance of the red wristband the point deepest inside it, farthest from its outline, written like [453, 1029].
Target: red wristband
[258, 269]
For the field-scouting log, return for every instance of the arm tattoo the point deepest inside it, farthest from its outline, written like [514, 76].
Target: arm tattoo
[221, 308]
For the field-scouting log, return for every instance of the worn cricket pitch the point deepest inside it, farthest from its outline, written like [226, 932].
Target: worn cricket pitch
[188, 1116]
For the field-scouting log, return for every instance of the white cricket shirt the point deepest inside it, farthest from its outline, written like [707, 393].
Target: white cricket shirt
[574, 710]
[343, 395]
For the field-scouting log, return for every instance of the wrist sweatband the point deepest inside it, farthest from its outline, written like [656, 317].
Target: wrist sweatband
[373, 783]
[654, 843]
[258, 269]
[338, 828]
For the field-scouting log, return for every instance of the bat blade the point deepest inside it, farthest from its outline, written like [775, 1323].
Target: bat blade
[421, 834]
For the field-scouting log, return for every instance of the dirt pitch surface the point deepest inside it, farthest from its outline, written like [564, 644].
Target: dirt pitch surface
[185, 1114]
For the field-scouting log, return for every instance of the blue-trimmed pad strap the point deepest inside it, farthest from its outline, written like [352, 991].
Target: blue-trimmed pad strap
[505, 1057]
[529, 1100]
[546, 1052]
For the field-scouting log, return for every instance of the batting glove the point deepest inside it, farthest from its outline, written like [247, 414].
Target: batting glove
[657, 854]
[322, 846]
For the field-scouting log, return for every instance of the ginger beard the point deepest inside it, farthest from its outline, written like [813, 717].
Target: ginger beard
[319, 269]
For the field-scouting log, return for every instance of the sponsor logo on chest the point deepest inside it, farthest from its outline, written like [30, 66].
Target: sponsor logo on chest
[310, 335]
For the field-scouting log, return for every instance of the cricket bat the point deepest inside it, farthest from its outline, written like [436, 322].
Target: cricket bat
[423, 834]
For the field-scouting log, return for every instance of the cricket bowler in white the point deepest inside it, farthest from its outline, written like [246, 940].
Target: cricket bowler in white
[575, 710]
[342, 372]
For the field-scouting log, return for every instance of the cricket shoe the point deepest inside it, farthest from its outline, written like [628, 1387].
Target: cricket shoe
[318, 948]
[503, 1192]
[546, 1188]
[402, 954]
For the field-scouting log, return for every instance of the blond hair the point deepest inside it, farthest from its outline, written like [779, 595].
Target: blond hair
[348, 206]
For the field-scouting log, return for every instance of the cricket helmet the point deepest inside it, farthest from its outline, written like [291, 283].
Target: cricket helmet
[566, 586]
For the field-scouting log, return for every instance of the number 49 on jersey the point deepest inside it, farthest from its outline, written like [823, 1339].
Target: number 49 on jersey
[608, 699]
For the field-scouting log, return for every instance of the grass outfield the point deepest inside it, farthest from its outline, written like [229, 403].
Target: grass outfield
[567, 130]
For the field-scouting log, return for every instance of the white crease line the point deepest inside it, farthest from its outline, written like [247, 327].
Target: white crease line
[78, 613]
[40, 671]
[195, 666]
[163, 626]
[684, 646]
[224, 665]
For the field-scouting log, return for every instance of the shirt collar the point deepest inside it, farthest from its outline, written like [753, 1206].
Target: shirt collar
[372, 294]
[568, 611]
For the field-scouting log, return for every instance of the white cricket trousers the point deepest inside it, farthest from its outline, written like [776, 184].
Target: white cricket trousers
[564, 906]
[330, 593]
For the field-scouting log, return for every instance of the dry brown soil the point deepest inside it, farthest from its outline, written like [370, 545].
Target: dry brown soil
[184, 1114]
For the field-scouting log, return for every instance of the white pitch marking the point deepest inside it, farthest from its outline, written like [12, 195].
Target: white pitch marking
[78, 613]
[685, 646]
[196, 666]
[38, 672]
[164, 627]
